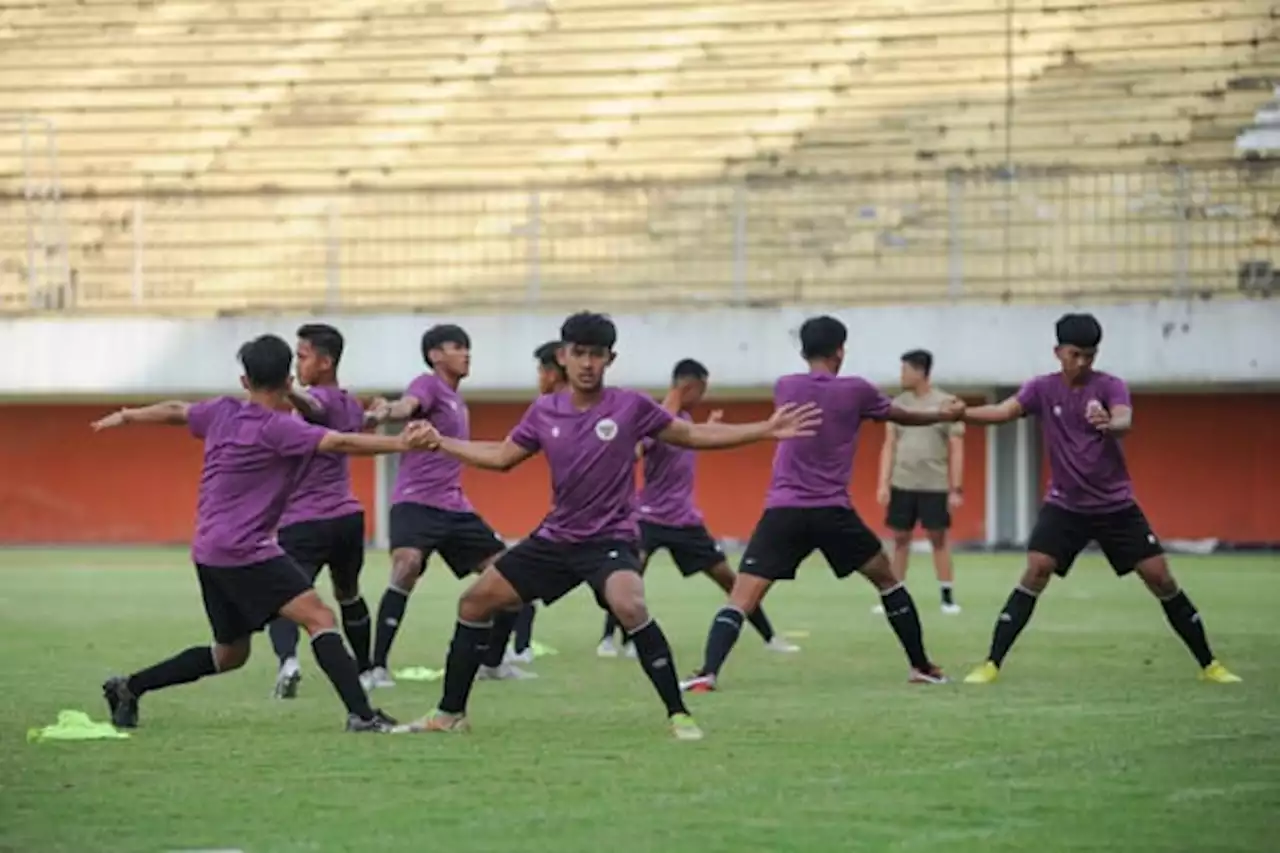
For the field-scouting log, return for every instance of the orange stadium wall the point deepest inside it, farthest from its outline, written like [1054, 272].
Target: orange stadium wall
[1199, 474]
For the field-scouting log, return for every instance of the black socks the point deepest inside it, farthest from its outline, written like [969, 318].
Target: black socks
[503, 624]
[1009, 624]
[390, 614]
[901, 612]
[726, 626]
[183, 668]
[655, 657]
[1185, 619]
[356, 625]
[470, 643]
[339, 666]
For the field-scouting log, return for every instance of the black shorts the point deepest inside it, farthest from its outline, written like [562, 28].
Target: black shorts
[240, 600]
[692, 548]
[546, 571]
[907, 507]
[462, 538]
[1124, 536]
[785, 536]
[334, 542]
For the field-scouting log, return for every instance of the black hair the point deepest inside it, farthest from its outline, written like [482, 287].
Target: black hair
[688, 368]
[822, 337]
[1078, 330]
[589, 330]
[920, 359]
[267, 361]
[546, 356]
[324, 339]
[438, 336]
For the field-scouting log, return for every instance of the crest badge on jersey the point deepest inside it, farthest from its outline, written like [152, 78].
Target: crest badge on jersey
[606, 429]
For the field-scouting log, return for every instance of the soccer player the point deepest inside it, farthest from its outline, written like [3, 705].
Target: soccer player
[670, 519]
[254, 451]
[922, 475]
[429, 511]
[589, 434]
[323, 523]
[807, 505]
[1084, 414]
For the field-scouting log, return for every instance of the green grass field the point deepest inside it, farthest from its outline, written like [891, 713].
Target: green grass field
[1098, 738]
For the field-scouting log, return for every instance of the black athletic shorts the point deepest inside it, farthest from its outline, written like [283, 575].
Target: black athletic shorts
[907, 507]
[785, 536]
[547, 571]
[240, 600]
[1124, 536]
[692, 548]
[334, 542]
[462, 538]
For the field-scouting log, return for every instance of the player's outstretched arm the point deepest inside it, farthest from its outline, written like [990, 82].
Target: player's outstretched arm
[311, 409]
[997, 413]
[952, 410]
[413, 437]
[490, 455]
[170, 412]
[787, 421]
[382, 412]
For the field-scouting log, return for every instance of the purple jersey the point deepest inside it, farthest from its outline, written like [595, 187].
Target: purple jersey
[1086, 467]
[325, 489]
[253, 459]
[815, 471]
[667, 496]
[433, 479]
[592, 456]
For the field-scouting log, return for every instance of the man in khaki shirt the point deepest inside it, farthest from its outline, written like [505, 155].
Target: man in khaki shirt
[921, 474]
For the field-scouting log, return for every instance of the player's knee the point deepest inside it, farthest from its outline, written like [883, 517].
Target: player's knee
[1156, 575]
[937, 539]
[482, 600]
[902, 539]
[879, 572]
[231, 655]
[631, 611]
[318, 618]
[1039, 571]
[406, 568]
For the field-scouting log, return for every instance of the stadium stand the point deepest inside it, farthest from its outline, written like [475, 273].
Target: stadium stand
[227, 156]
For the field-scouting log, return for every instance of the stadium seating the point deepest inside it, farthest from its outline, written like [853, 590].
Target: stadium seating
[292, 155]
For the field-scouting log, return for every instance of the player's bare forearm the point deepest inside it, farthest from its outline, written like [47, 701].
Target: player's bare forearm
[910, 417]
[490, 455]
[359, 444]
[886, 461]
[713, 436]
[170, 413]
[309, 407]
[955, 463]
[400, 410]
[997, 413]
[1121, 421]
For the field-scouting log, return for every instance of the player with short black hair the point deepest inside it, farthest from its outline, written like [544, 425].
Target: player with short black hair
[429, 511]
[670, 519]
[922, 475]
[589, 433]
[807, 507]
[1084, 414]
[323, 523]
[254, 451]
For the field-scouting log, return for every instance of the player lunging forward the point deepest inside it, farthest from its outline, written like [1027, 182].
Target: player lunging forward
[1083, 415]
[589, 434]
[670, 519]
[323, 524]
[429, 511]
[254, 450]
[807, 506]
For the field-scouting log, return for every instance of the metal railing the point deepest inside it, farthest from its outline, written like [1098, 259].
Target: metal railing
[998, 235]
